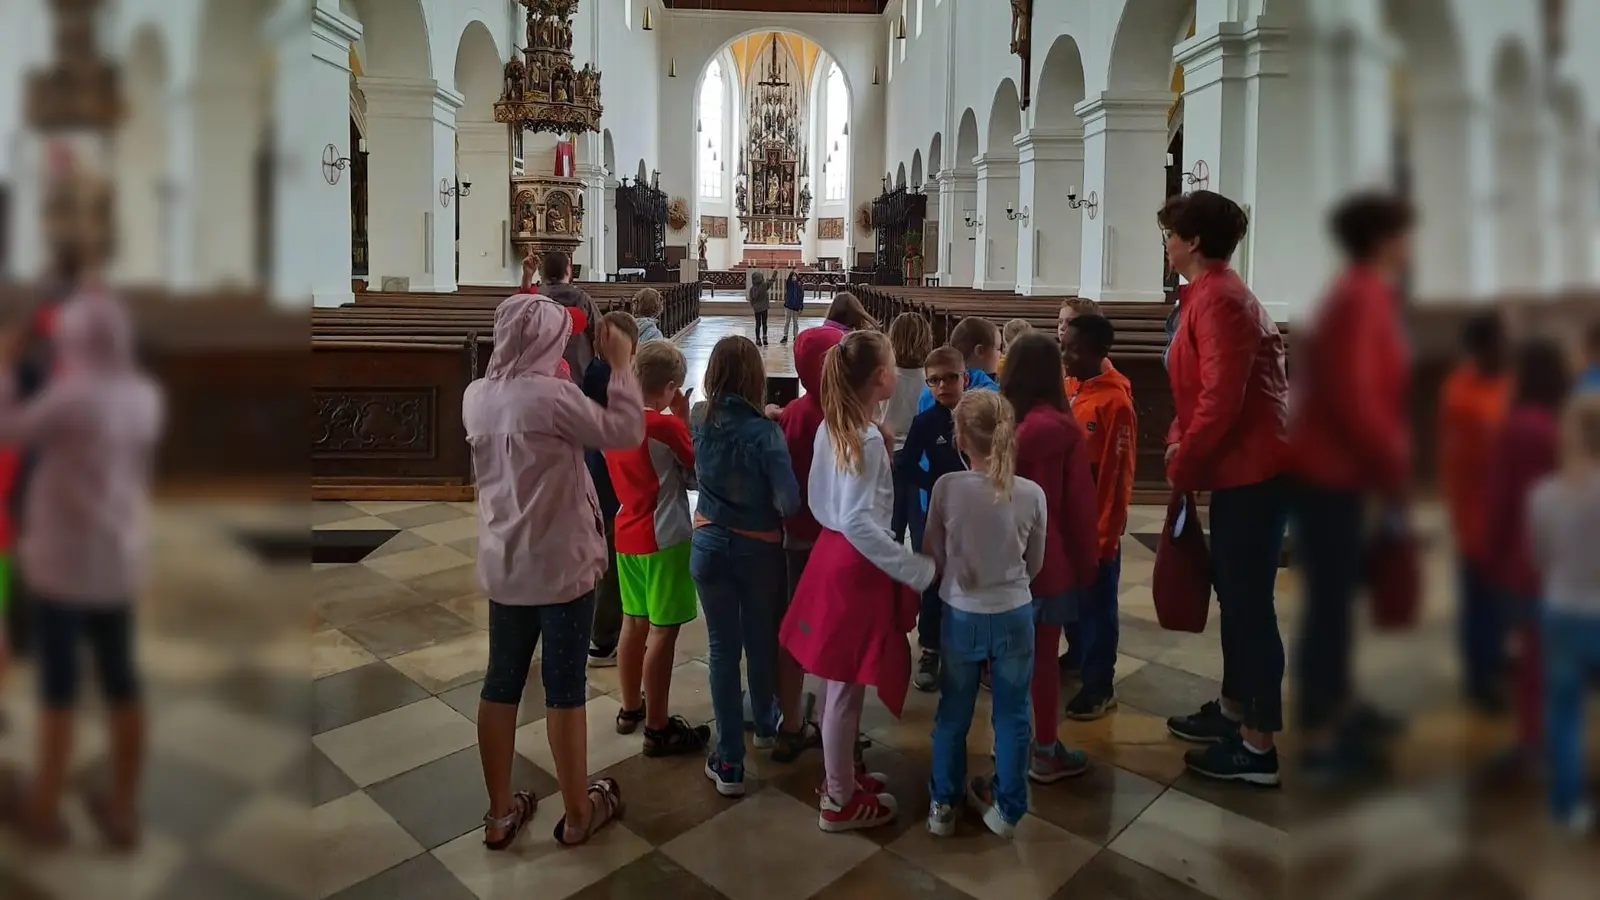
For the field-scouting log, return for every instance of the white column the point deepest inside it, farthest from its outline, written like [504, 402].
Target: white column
[1050, 244]
[1124, 157]
[1442, 123]
[1215, 106]
[1352, 130]
[311, 218]
[592, 252]
[609, 230]
[1284, 255]
[179, 200]
[958, 198]
[486, 256]
[442, 249]
[1516, 202]
[1580, 174]
[402, 189]
[997, 236]
[1549, 158]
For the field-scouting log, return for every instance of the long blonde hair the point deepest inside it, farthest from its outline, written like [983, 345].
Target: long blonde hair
[988, 427]
[848, 367]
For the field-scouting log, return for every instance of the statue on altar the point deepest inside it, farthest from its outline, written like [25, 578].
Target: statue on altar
[515, 73]
[1021, 26]
[772, 192]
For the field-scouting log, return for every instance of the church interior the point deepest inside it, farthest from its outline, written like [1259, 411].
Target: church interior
[313, 728]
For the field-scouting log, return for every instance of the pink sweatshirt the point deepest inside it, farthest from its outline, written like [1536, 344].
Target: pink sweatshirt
[95, 429]
[541, 540]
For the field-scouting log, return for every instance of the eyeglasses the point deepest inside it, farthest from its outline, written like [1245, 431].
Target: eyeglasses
[1166, 233]
[939, 380]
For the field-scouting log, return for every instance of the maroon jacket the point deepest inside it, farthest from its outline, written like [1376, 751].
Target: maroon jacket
[1230, 392]
[802, 418]
[1527, 451]
[1052, 451]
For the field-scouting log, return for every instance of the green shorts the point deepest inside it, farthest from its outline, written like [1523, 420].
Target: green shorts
[657, 586]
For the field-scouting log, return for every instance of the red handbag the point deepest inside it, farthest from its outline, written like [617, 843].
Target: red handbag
[1181, 583]
[1394, 575]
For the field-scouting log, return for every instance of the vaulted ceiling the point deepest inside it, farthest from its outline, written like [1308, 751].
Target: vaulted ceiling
[865, 7]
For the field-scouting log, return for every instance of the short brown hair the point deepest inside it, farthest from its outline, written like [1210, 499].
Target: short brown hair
[658, 364]
[1082, 306]
[647, 302]
[974, 332]
[1217, 222]
[848, 311]
[1363, 222]
[735, 368]
[911, 337]
[554, 267]
[945, 356]
[624, 323]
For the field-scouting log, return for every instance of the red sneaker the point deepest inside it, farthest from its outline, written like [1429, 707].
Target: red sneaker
[871, 782]
[863, 811]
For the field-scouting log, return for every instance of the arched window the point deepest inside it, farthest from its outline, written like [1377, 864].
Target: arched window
[709, 132]
[838, 138]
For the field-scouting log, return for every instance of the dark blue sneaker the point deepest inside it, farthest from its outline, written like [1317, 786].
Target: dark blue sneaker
[728, 778]
[1231, 760]
[1208, 726]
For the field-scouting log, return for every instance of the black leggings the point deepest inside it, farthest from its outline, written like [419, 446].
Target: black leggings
[515, 632]
[761, 325]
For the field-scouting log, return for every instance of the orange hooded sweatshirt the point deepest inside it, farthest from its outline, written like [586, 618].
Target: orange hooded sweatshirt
[1472, 407]
[1103, 405]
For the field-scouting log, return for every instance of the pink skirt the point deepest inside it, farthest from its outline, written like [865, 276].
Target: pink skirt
[849, 619]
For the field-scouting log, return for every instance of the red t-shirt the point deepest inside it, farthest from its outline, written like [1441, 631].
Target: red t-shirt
[652, 482]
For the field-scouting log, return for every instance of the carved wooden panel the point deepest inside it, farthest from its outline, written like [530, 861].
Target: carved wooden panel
[383, 424]
[830, 229]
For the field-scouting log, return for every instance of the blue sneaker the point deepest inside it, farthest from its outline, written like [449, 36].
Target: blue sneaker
[728, 777]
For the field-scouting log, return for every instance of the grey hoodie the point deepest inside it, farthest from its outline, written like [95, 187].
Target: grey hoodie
[760, 287]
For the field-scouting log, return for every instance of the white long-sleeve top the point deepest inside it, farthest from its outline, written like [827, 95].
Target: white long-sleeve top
[989, 548]
[861, 507]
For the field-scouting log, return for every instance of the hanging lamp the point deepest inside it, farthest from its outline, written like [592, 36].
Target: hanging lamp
[900, 28]
[847, 127]
[672, 68]
[875, 78]
[649, 20]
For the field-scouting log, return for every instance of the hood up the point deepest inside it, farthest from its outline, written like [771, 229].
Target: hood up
[530, 335]
[810, 349]
[94, 332]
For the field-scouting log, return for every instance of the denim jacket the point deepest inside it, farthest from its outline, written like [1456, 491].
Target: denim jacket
[742, 464]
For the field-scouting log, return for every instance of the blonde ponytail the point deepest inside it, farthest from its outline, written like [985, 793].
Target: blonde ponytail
[846, 370]
[989, 427]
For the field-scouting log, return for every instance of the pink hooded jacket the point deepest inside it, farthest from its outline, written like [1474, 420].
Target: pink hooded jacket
[541, 540]
[95, 428]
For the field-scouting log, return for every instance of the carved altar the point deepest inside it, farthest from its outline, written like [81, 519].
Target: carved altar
[546, 214]
[542, 91]
[772, 194]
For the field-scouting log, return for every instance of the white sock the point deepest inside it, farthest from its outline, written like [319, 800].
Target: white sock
[1262, 752]
[1232, 717]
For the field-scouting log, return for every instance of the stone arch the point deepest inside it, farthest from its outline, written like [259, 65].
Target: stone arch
[475, 16]
[394, 38]
[1516, 170]
[482, 157]
[1005, 120]
[916, 169]
[144, 188]
[1141, 48]
[231, 96]
[608, 154]
[1061, 87]
[936, 155]
[966, 141]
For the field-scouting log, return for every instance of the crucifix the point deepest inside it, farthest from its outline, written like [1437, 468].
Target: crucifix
[1022, 43]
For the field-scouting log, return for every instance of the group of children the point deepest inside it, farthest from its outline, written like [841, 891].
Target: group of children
[1519, 442]
[1015, 493]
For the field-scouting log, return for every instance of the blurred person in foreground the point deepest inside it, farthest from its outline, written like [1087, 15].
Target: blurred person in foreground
[94, 429]
[1563, 518]
[1472, 406]
[1525, 452]
[1230, 397]
[1351, 451]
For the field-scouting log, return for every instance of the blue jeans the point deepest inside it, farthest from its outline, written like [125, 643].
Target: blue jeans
[1005, 641]
[1483, 632]
[1247, 525]
[1097, 630]
[741, 583]
[1571, 653]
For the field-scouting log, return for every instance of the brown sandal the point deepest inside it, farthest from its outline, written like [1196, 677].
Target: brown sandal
[629, 720]
[511, 822]
[605, 798]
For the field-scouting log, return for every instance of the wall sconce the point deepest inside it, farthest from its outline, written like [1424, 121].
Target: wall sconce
[972, 220]
[1198, 177]
[333, 163]
[448, 190]
[1014, 216]
[1092, 201]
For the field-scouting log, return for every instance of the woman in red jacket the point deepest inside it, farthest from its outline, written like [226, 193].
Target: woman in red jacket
[1351, 448]
[1229, 437]
[1052, 452]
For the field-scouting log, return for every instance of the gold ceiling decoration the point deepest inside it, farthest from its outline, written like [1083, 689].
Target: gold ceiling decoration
[543, 92]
